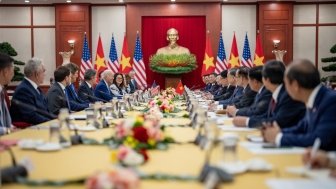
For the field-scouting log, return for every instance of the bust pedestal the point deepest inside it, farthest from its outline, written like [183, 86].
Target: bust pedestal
[171, 80]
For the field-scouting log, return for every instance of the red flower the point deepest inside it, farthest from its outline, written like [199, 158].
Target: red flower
[140, 133]
[143, 152]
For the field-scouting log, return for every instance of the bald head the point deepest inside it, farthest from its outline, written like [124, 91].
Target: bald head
[304, 73]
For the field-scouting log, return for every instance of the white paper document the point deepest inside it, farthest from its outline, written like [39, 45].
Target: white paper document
[259, 148]
[234, 128]
[311, 173]
[78, 117]
[301, 183]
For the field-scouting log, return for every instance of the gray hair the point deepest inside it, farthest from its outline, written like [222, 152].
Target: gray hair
[32, 66]
[105, 73]
[89, 74]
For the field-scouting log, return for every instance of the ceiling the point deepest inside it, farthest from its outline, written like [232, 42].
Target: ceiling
[139, 1]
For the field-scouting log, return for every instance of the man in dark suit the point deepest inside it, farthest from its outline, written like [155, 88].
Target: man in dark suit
[76, 104]
[56, 96]
[248, 95]
[133, 84]
[238, 92]
[223, 83]
[282, 108]
[231, 85]
[6, 75]
[261, 101]
[103, 90]
[85, 90]
[213, 84]
[302, 81]
[29, 93]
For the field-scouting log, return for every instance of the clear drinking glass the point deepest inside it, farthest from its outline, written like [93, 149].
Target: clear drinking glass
[230, 142]
[54, 133]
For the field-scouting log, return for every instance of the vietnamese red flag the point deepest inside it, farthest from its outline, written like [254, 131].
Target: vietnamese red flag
[125, 61]
[208, 62]
[179, 89]
[234, 55]
[100, 64]
[259, 53]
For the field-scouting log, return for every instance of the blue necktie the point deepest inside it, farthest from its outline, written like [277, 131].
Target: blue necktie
[73, 90]
[308, 118]
[67, 99]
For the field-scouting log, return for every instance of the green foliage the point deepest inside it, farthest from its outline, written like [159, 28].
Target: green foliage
[173, 64]
[7, 48]
[329, 59]
[333, 49]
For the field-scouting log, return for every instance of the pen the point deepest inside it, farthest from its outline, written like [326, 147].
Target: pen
[316, 146]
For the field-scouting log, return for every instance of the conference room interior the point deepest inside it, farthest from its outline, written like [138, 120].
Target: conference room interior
[54, 32]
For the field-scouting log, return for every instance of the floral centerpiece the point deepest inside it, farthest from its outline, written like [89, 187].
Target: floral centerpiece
[138, 134]
[117, 178]
[173, 64]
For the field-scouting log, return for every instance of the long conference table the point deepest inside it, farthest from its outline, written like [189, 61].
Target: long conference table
[81, 161]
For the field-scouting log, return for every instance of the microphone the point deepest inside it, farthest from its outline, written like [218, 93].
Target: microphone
[25, 105]
[11, 173]
[96, 98]
[195, 87]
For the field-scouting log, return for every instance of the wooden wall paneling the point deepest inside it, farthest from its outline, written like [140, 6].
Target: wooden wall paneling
[275, 21]
[71, 23]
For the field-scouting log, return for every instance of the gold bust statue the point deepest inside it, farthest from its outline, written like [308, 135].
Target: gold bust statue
[173, 47]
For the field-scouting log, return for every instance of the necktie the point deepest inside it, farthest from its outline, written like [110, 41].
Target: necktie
[67, 99]
[308, 118]
[73, 90]
[271, 107]
[5, 117]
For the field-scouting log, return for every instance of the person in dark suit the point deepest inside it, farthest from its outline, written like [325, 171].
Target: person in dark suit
[56, 96]
[85, 90]
[248, 95]
[223, 82]
[6, 75]
[102, 90]
[261, 101]
[238, 92]
[231, 85]
[76, 104]
[133, 86]
[29, 93]
[282, 108]
[213, 84]
[302, 81]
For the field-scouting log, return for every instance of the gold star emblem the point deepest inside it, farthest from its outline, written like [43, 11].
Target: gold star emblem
[258, 61]
[234, 61]
[100, 62]
[181, 88]
[208, 61]
[125, 62]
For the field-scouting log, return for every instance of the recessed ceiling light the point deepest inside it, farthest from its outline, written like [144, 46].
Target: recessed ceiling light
[172, 0]
[27, 1]
[68, 1]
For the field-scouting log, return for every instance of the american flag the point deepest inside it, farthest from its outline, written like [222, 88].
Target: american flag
[113, 63]
[155, 89]
[221, 63]
[86, 59]
[246, 59]
[139, 65]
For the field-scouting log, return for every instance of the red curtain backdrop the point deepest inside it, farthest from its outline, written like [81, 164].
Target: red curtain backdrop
[192, 32]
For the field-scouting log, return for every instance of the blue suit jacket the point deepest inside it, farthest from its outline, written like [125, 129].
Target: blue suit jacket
[133, 87]
[26, 94]
[287, 112]
[76, 104]
[247, 98]
[103, 91]
[237, 94]
[319, 122]
[259, 107]
[228, 93]
[85, 93]
[213, 88]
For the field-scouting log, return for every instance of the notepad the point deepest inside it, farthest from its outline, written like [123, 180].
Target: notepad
[233, 128]
[257, 148]
[301, 183]
[77, 117]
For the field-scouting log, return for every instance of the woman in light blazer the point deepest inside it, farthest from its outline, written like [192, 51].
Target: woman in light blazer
[118, 88]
